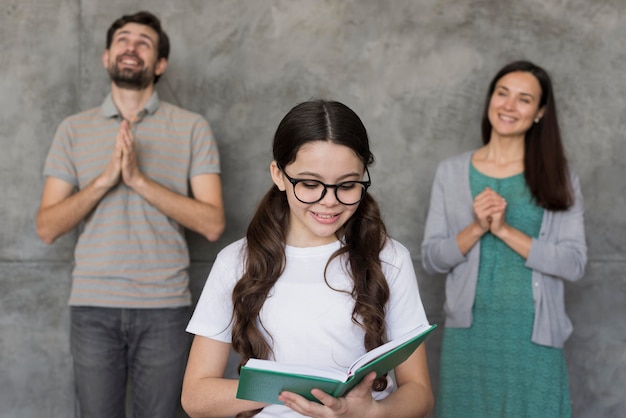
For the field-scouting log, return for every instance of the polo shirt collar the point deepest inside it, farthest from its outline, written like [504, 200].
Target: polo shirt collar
[109, 109]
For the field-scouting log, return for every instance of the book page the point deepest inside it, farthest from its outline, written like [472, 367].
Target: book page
[316, 371]
[388, 346]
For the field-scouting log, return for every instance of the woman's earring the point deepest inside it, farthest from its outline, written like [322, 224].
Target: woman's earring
[537, 120]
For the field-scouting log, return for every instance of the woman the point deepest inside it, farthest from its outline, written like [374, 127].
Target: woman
[505, 224]
[316, 281]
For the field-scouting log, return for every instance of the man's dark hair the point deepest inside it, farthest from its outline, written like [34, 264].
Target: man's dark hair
[150, 20]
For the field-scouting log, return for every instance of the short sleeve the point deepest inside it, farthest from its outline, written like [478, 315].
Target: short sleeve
[59, 162]
[405, 310]
[212, 317]
[205, 157]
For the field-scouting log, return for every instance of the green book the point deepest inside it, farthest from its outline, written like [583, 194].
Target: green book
[264, 380]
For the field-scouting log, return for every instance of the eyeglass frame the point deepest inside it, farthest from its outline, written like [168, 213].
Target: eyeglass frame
[295, 181]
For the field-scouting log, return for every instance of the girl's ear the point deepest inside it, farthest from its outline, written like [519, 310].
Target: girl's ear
[277, 176]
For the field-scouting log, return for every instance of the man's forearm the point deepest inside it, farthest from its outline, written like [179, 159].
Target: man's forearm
[57, 219]
[201, 217]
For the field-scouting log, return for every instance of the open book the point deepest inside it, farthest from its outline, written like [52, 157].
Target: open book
[264, 380]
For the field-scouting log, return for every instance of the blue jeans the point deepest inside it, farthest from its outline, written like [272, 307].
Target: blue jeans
[110, 346]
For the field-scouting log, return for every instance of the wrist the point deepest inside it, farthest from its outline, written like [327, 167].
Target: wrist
[103, 183]
[478, 230]
[375, 410]
[501, 232]
[137, 182]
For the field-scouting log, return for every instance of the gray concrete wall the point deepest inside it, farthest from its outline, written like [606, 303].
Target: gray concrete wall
[416, 72]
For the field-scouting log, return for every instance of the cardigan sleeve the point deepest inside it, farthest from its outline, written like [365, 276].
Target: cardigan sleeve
[440, 251]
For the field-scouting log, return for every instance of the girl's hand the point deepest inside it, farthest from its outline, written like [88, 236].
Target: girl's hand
[358, 403]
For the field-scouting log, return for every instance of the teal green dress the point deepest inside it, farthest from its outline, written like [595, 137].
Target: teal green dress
[492, 369]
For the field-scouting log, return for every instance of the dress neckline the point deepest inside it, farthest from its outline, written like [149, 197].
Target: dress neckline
[476, 170]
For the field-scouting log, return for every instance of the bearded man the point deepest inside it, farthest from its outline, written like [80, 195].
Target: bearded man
[131, 175]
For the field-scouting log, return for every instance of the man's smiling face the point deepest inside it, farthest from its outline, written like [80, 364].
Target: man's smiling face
[132, 59]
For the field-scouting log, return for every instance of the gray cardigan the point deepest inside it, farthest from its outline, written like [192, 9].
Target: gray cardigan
[560, 253]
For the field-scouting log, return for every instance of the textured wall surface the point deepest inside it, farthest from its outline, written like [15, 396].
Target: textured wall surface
[415, 71]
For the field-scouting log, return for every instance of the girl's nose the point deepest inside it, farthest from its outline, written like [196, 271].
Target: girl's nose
[329, 199]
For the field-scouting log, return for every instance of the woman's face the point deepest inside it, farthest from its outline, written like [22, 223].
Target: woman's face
[514, 105]
[316, 223]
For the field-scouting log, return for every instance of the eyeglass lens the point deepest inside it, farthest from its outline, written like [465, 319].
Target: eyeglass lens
[311, 191]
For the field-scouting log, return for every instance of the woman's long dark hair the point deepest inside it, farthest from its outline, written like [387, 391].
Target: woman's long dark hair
[364, 234]
[545, 164]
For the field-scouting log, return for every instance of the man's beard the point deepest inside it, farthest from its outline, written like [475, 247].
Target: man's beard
[131, 79]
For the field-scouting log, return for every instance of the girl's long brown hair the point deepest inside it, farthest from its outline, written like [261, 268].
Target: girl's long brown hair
[545, 164]
[363, 235]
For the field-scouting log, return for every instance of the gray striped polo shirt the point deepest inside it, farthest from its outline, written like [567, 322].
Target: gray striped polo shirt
[129, 254]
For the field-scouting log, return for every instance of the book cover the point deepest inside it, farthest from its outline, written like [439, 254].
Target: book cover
[264, 380]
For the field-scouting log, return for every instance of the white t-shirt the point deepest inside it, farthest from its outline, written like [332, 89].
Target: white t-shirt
[306, 321]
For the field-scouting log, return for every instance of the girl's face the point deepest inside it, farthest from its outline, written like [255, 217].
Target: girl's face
[315, 224]
[514, 104]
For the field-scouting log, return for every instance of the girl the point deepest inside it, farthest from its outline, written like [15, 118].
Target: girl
[505, 224]
[316, 281]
